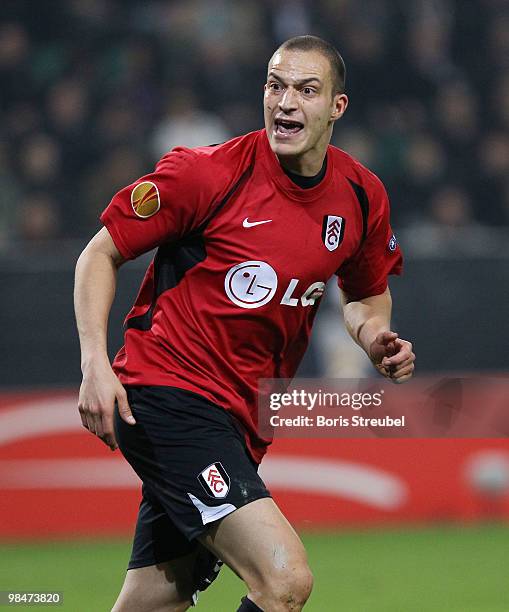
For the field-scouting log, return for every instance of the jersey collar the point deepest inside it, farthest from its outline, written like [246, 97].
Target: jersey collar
[276, 173]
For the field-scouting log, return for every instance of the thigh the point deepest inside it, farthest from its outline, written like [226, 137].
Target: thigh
[156, 538]
[195, 470]
[257, 542]
[190, 457]
[164, 586]
[166, 570]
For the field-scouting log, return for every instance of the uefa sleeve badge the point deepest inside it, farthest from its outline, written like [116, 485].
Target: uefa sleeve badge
[145, 199]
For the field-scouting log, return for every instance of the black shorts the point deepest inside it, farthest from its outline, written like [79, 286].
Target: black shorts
[195, 468]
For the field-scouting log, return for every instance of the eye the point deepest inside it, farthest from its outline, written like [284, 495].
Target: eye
[309, 90]
[274, 86]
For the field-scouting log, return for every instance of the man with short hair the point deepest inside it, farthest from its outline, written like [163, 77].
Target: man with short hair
[248, 233]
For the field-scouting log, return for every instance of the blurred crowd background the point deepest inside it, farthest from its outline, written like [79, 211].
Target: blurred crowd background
[93, 93]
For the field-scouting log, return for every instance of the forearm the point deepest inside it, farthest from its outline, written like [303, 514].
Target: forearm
[94, 291]
[365, 319]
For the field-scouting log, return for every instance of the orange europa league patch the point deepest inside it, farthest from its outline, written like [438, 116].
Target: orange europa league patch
[145, 199]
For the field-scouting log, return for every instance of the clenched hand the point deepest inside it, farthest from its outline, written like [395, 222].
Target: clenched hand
[392, 356]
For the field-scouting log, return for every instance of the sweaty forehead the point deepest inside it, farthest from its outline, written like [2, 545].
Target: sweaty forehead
[298, 65]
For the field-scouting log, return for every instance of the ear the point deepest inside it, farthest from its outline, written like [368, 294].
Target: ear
[340, 104]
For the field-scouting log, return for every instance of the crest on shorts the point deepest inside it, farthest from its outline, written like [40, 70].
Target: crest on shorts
[215, 480]
[393, 243]
[333, 229]
[145, 199]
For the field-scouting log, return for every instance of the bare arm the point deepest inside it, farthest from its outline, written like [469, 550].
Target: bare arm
[94, 290]
[368, 321]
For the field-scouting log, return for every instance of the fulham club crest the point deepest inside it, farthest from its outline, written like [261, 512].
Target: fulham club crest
[333, 229]
[215, 480]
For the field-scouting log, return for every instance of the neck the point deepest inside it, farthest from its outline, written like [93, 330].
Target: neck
[311, 162]
[307, 182]
[297, 165]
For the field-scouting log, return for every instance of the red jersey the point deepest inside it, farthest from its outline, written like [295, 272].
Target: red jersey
[243, 258]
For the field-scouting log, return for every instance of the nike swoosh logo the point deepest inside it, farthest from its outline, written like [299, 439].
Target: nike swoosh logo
[247, 223]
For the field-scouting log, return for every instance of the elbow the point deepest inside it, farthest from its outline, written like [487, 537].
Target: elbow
[86, 255]
[81, 261]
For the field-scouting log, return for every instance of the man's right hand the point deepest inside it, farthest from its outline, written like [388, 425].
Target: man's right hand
[98, 392]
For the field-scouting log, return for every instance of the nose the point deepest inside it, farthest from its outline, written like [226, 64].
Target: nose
[288, 101]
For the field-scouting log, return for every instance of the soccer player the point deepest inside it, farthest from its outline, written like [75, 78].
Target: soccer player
[247, 234]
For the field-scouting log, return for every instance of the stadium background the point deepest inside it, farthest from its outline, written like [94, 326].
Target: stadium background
[92, 93]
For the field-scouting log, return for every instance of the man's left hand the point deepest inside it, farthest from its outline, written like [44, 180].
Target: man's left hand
[392, 356]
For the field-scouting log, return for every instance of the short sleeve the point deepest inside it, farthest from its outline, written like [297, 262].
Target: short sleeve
[162, 206]
[365, 274]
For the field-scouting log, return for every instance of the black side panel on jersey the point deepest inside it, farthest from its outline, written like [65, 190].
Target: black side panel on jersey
[172, 261]
[362, 198]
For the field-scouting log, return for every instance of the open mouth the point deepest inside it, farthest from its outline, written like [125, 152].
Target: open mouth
[287, 127]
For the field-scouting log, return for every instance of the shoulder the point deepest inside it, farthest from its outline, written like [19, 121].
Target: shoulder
[208, 160]
[235, 148]
[355, 172]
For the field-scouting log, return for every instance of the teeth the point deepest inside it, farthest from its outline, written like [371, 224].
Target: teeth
[288, 124]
